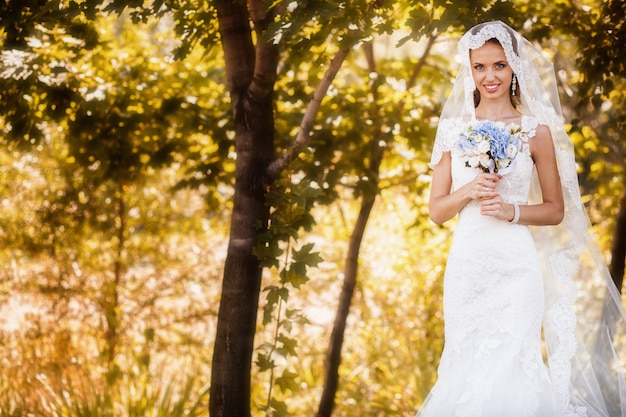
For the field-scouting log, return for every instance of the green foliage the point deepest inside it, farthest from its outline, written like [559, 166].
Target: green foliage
[40, 41]
[20, 18]
[103, 254]
[195, 22]
[304, 25]
[291, 212]
[441, 16]
[599, 27]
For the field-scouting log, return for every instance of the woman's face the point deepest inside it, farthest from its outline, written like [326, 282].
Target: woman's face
[491, 71]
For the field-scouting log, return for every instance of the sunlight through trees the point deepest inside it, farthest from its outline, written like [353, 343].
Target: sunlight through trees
[205, 201]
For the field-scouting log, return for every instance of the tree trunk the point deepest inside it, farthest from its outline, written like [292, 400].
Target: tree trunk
[251, 73]
[618, 251]
[110, 302]
[333, 356]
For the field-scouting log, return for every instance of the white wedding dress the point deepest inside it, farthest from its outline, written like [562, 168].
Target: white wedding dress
[534, 326]
[492, 364]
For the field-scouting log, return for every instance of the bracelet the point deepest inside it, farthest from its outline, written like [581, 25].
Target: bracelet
[516, 213]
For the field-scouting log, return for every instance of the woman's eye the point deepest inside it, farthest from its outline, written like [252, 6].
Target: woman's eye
[500, 65]
[478, 66]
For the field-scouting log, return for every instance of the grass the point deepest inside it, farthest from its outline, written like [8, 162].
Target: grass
[132, 397]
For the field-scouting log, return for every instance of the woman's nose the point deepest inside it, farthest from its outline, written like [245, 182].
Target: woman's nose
[490, 74]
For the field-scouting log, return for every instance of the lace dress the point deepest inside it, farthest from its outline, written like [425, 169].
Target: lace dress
[492, 364]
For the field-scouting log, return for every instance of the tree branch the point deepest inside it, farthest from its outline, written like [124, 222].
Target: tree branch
[422, 61]
[267, 54]
[306, 126]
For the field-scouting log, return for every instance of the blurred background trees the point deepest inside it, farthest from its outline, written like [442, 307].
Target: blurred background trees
[136, 138]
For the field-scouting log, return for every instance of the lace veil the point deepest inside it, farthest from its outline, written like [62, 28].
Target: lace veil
[584, 322]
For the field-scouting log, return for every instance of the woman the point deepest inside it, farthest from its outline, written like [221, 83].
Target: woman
[518, 342]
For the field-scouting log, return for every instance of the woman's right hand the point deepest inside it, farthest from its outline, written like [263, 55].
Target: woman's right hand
[446, 203]
[484, 186]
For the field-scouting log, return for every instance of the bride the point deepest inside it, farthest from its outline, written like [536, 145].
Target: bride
[519, 342]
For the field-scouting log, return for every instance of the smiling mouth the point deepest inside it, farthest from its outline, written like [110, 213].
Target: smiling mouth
[491, 88]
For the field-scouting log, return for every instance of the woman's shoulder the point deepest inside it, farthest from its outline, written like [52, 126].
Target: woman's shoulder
[449, 130]
[453, 123]
[448, 133]
[450, 126]
[532, 122]
[532, 126]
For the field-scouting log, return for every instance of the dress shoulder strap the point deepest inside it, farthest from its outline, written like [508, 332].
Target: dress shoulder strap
[529, 130]
[446, 137]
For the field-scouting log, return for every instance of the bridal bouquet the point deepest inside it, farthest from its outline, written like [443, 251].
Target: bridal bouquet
[490, 146]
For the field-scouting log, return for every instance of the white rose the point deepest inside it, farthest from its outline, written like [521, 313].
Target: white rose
[473, 161]
[484, 160]
[500, 125]
[511, 151]
[484, 147]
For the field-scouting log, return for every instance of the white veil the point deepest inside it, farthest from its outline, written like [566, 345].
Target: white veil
[584, 322]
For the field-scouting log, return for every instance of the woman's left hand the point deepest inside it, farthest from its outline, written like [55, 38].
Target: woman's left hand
[492, 205]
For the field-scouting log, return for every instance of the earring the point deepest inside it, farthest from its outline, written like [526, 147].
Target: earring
[513, 85]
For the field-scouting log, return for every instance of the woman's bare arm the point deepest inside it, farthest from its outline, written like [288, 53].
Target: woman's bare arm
[444, 203]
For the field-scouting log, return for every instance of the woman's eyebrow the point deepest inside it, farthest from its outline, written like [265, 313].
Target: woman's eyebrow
[497, 62]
